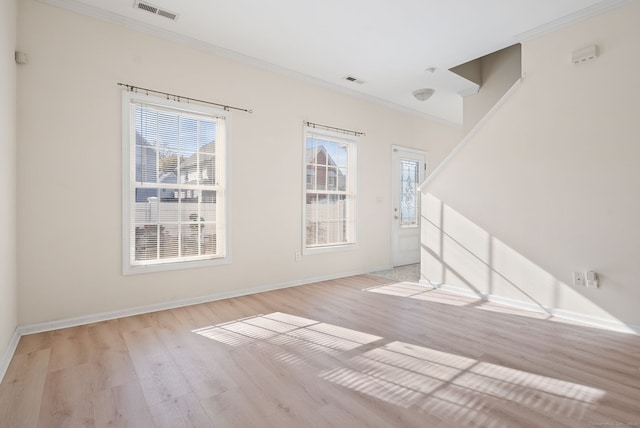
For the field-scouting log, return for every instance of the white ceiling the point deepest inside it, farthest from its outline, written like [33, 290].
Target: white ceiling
[387, 43]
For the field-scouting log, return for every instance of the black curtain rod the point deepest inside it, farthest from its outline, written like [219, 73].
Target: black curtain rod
[333, 128]
[179, 98]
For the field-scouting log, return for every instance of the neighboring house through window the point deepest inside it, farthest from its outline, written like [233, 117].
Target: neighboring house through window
[174, 201]
[330, 190]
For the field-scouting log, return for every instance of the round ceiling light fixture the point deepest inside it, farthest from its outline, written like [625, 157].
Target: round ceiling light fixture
[423, 94]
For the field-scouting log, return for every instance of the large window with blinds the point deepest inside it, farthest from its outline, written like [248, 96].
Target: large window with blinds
[174, 193]
[329, 198]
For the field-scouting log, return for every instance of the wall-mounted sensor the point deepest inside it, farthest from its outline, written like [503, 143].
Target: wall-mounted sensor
[585, 54]
[592, 279]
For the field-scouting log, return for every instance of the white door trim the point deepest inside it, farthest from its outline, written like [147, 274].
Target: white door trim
[397, 259]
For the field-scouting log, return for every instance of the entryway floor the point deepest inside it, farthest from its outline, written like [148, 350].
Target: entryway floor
[410, 273]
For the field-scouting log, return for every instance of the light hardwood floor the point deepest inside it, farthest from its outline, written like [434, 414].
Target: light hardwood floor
[359, 351]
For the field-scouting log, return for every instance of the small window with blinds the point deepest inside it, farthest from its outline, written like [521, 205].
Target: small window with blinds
[329, 190]
[174, 199]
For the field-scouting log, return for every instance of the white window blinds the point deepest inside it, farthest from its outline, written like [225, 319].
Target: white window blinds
[175, 183]
[329, 190]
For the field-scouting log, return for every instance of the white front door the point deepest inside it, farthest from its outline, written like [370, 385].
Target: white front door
[408, 171]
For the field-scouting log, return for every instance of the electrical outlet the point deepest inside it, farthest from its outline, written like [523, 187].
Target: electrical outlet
[578, 279]
[298, 255]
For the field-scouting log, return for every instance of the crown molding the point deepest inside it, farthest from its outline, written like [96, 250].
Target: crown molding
[135, 25]
[573, 18]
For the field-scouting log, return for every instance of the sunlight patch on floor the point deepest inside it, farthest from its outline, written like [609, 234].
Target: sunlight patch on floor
[280, 328]
[434, 295]
[420, 292]
[448, 386]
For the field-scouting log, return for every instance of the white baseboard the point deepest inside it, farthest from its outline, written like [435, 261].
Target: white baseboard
[8, 353]
[380, 268]
[105, 316]
[607, 324]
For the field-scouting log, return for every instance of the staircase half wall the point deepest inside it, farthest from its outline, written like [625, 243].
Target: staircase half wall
[548, 183]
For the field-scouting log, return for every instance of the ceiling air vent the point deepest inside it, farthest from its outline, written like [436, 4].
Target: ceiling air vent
[172, 16]
[155, 10]
[353, 80]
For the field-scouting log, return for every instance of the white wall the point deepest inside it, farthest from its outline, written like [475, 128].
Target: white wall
[550, 184]
[8, 141]
[69, 157]
[499, 71]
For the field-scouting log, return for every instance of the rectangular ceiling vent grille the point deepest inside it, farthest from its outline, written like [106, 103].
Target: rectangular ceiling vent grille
[353, 80]
[153, 9]
[172, 16]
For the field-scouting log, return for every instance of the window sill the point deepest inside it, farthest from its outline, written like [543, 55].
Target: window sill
[329, 249]
[164, 267]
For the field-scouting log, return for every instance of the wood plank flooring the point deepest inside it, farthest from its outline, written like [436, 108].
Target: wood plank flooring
[362, 351]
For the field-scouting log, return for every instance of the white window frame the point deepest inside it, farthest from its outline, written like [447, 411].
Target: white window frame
[351, 189]
[223, 185]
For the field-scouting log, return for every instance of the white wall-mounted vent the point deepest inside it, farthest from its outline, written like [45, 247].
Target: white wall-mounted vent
[353, 79]
[586, 54]
[155, 10]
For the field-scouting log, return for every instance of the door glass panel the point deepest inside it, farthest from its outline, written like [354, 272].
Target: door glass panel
[409, 176]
